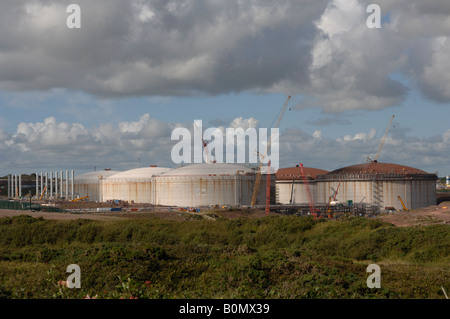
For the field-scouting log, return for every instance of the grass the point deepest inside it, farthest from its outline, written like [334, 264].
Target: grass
[269, 257]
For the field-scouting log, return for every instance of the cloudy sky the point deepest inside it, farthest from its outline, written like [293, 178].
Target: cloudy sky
[109, 94]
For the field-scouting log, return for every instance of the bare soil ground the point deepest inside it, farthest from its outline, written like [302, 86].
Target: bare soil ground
[59, 216]
[145, 212]
[437, 214]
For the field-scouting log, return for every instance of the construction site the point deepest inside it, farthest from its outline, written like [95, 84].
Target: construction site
[365, 189]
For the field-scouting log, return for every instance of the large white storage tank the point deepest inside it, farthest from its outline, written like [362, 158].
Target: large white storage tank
[291, 187]
[209, 184]
[89, 184]
[379, 184]
[135, 185]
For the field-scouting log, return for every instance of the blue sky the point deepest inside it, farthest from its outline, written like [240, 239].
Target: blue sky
[112, 91]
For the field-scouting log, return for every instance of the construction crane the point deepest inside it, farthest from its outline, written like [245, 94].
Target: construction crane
[80, 198]
[262, 156]
[312, 208]
[205, 146]
[333, 196]
[383, 139]
[42, 194]
[403, 204]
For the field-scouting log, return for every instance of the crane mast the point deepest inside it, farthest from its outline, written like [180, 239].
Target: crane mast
[383, 139]
[312, 208]
[262, 156]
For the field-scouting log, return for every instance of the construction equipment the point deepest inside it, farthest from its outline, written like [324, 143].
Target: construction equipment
[312, 208]
[383, 139]
[332, 197]
[403, 204]
[205, 146]
[80, 198]
[42, 194]
[262, 156]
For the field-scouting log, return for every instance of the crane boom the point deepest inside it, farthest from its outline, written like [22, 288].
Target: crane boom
[312, 208]
[403, 204]
[42, 194]
[262, 156]
[383, 139]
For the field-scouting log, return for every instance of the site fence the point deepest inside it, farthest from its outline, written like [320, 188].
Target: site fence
[14, 205]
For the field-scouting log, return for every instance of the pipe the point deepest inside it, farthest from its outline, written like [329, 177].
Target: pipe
[42, 184]
[67, 185]
[72, 173]
[51, 184]
[61, 184]
[56, 184]
[37, 184]
[20, 185]
[46, 184]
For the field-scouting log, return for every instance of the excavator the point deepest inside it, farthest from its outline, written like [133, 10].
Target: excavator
[403, 204]
[77, 199]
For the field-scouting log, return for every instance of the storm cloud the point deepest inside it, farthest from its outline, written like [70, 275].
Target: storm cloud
[322, 50]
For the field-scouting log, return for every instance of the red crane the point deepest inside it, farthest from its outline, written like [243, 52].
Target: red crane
[312, 208]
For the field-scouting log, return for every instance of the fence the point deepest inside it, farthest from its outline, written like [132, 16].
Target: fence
[28, 206]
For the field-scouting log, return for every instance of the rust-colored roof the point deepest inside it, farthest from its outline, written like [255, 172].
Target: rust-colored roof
[377, 168]
[295, 173]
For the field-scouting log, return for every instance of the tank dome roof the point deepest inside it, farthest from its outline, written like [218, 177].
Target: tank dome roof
[140, 173]
[219, 169]
[94, 176]
[377, 168]
[290, 173]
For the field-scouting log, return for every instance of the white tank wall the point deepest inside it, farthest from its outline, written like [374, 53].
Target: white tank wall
[414, 193]
[90, 184]
[135, 185]
[423, 193]
[129, 191]
[284, 188]
[195, 191]
[91, 189]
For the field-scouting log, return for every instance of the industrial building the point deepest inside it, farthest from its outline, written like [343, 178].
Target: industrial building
[208, 184]
[291, 186]
[133, 186]
[90, 184]
[386, 186]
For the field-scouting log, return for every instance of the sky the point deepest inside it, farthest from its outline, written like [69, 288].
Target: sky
[109, 94]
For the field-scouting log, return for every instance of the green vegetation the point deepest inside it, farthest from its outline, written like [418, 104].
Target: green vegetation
[270, 257]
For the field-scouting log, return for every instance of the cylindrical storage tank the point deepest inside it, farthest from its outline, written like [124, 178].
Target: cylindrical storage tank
[209, 184]
[447, 179]
[379, 184]
[90, 184]
[135, 185]
[291, 187]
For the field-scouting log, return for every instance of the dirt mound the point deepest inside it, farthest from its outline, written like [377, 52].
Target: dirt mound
[436, 214]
